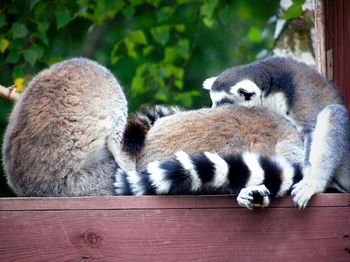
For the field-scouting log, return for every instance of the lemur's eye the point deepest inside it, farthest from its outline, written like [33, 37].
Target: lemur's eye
[287, 113]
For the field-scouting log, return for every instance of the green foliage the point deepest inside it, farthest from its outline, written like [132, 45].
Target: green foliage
[161, 51]
[294, 10]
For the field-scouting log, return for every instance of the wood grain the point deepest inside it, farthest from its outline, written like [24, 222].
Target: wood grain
[175, 228]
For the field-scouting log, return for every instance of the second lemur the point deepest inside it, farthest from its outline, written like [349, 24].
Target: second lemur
[304, 97]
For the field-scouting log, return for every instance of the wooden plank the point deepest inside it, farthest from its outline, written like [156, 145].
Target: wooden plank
[185, 234]
[152, 202]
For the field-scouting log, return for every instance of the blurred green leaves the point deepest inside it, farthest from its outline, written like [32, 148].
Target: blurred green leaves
[160, 50]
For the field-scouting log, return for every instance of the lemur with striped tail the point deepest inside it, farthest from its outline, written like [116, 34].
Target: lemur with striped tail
[270, 171]
[304, 97]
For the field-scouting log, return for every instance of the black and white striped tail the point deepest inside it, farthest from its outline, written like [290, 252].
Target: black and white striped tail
[137, 127]
[210, 172]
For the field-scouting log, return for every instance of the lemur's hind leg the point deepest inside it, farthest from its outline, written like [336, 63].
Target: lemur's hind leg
[122, 158]
[328, 147]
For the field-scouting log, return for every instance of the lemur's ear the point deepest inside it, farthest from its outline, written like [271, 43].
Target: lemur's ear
[208, 83]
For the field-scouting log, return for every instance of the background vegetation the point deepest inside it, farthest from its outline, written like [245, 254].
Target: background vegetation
[161, 51]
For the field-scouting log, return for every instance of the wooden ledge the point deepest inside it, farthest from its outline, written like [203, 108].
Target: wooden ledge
[155, 202]
[173, 228]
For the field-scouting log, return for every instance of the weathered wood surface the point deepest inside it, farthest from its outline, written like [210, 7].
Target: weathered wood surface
[176, 228]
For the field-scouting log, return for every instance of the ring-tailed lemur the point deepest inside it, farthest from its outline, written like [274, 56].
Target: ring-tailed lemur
[235, 170]
[55, 142]
[300, 94]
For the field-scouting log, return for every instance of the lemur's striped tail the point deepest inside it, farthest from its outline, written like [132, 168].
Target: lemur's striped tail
[210, 172]
[137, 127]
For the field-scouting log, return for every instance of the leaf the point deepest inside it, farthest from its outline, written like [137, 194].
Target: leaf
[170, 54]
[30, 56]
[16, 44]
[12, 57]
[164, 13]
[4, 44]
[179, 84]
[184, 48]
[180, 27]
[63, 17]
[19, 83]
[161, 95]
[147, 50]
[254, 34]
[43, 37]
[141, 69]
[293, 11]
[137, 84]
[130, 46]
[114, 57]
[138, 37]
[19, 30]
[39, 50]
[208, 8]
[154, 3]
[128, 12]
[136, 2]
[17, 71]
[225, 14]
[43, 26]
[179, 72]
[208, 22]
[161, 34]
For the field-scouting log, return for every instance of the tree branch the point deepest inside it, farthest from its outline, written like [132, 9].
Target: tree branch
[9, 93]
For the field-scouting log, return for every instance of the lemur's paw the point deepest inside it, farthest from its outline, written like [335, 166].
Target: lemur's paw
[303, 191]
[254, 196]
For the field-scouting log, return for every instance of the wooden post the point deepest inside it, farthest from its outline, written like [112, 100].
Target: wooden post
[320, 40]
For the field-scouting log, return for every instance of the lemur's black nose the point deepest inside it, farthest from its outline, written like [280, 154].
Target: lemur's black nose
[247, 95]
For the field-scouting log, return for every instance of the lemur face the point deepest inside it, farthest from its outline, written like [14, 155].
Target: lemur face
[243, 92]
[246, 92]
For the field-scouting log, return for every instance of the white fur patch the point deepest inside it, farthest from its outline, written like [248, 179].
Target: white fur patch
[208, 83]
[287, 176]
[187, 164]
[319, 143]
[277, 102]
[118, 184]
[257, 174]
[135, 183]
[217, 96]
[158, 178]
[250, 87]
[221, 169]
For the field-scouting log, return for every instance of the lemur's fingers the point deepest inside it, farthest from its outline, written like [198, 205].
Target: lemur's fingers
[302, 193]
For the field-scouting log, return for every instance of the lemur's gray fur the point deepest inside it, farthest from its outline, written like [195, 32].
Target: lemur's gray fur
[55, 142]
[304, 97]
